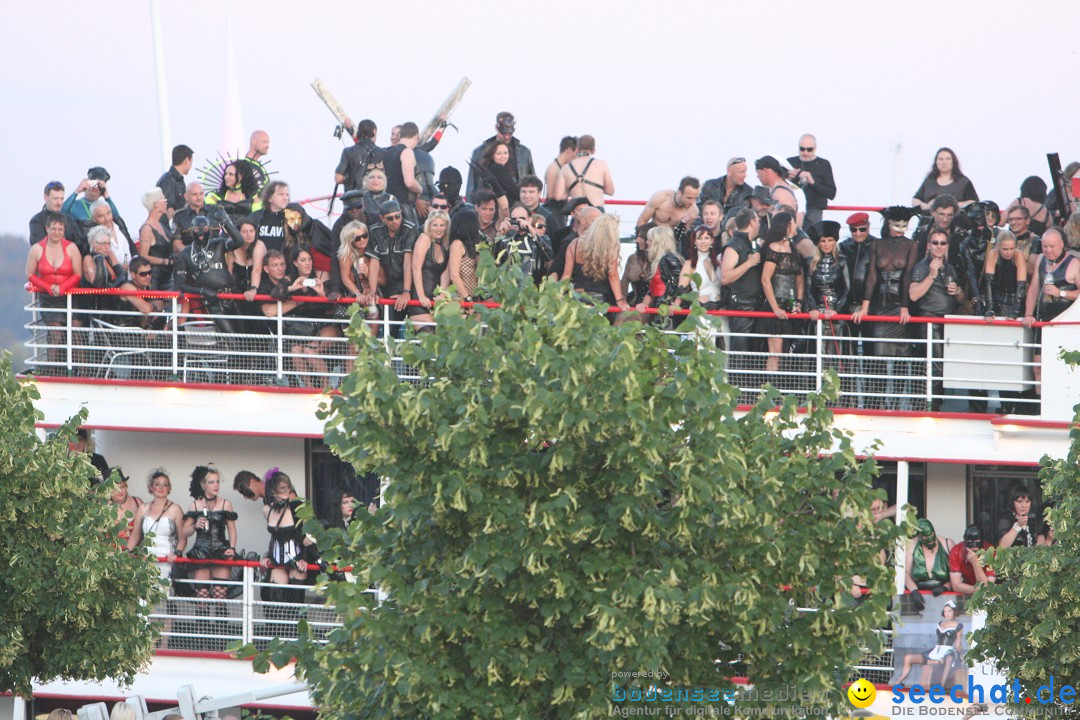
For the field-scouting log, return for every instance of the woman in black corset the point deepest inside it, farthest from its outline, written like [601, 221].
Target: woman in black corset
[213, 521]
[828, 287]
[429, 266]
[288, 553]
[892, 258]
[783, 283]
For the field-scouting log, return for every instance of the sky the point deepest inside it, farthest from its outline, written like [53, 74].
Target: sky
[667, 89]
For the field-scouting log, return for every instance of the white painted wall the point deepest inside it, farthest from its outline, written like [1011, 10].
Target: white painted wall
[179, 453]
[946, 499]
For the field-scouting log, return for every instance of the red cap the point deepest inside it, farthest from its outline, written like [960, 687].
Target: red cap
[858, 219]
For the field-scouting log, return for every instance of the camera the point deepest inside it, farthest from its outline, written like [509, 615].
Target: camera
[310, 282]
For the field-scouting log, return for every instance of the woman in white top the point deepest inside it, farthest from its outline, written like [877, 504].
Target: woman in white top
[704, 263]
[162, 518]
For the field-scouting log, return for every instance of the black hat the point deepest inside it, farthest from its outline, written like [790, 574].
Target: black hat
[390, 206]
[574, 203]
[98, 173]
[768, 162]
[824, 229]
[898, 213]
[353, 199]
[762, 193]
[450, 175]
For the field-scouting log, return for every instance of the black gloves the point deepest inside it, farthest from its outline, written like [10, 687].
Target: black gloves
[917, 601]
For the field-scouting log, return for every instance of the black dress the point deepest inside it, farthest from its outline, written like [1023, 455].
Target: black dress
[784, 285]
[162, 278]
[286, 542]
[887, 281]
[210, 544]
[430, 274]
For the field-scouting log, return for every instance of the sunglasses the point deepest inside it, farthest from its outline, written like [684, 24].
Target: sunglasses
[939, 242]
[395, 216]
[541, 226]
[440, 207]
[360, 236]
[860, 229]
[146, 273]
[736, 161]
[805, 149]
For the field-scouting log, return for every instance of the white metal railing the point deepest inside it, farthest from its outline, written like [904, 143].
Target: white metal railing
[251, 611]
[955, 364]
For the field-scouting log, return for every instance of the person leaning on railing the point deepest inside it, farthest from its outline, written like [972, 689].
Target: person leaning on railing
[150, 309]
[53, 267]
[102, 270]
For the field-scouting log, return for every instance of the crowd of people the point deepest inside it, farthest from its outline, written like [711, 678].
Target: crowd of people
[406, 233]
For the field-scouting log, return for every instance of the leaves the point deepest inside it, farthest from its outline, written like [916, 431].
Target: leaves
[567, 499]
[1033, 611]
[73, 606]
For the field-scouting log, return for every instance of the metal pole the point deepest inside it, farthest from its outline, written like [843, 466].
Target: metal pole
[901, 500]
[175, 338]
[69, 335]
[162, 92]
[280, 346]
[819, 363]
[929, 366]
[248, 602]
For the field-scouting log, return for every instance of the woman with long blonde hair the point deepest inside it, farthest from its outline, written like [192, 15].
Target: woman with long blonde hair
[430, 270]
[665, 268]
[592, 263]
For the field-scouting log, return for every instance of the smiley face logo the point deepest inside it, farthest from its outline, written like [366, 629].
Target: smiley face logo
[861, 693]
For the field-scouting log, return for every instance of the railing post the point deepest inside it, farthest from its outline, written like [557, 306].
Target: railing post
[819, 360]
[69, 333]
[280, 346]
[386, 329]
[247, 611]
[929, 366]
[174, 310]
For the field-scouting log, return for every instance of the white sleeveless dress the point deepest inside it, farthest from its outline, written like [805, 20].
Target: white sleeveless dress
[164, 541]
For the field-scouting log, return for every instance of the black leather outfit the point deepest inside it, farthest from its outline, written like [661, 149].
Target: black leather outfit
[211, 543]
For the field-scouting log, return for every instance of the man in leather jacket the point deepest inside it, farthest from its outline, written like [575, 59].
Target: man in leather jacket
[201, 270]
[855, 250]
[520, 156]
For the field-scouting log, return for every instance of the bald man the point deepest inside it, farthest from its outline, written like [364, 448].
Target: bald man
[258, 146]
[814, 175]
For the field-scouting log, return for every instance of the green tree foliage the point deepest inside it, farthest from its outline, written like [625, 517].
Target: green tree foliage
[569, 500]
[69, 599]
[1033, 611]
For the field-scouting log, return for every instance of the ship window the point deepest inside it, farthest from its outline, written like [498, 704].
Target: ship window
[988, 495]
[886, 480]
[328, 475]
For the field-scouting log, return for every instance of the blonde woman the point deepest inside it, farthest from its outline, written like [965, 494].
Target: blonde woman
[592, 263]
[155, 241]
[665, 268]
[374, 194]
[353, 264]
[430, 268]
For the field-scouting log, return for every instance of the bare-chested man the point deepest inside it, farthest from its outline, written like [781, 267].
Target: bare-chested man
[672, 207]
[258, 146]
[568, 147]
[586, 175]
[773, 175]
